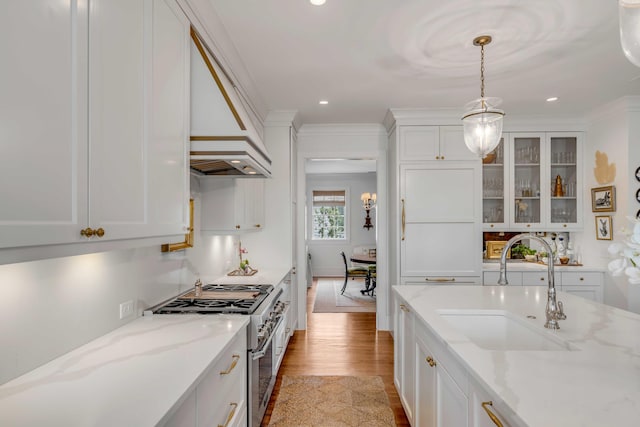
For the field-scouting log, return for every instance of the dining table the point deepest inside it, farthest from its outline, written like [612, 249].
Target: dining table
[370, 283]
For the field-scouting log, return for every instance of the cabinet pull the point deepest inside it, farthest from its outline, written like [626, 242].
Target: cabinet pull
[257, 225]
[403, 219]
[234, 406]
[234, 362]
[491, 225]
[542, 279]
[237, 227]
[87, 232]
[440, 279]
[582, 279]
[485, 406]
[441, 157]
[528, 225]
[431, 362]
[404, 308]
[99, 232]
[564, 225]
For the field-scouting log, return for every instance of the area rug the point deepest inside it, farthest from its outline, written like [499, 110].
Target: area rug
[329, 300]
[332, 402]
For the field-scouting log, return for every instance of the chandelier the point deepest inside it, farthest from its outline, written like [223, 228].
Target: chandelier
[629, 11]
[482, 121]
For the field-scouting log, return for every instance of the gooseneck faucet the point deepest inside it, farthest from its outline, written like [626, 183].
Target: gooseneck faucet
[554, 310]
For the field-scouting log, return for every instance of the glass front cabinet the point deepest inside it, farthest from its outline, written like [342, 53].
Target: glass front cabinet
[532, 182]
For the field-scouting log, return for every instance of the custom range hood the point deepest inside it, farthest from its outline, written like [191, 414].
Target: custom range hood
[223, 139]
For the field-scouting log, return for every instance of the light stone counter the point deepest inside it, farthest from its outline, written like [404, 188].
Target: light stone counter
[597, 384]
[534, 266]
[133, 376]
[271, 276]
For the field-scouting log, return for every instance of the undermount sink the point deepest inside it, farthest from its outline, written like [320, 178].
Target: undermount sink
[501, 330]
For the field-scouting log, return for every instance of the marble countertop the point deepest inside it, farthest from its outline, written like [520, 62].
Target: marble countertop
[534, 266]
[132, 376]
[596, 384]
[271, 276]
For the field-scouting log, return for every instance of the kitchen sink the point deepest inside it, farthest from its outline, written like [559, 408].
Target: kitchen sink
[502, 330]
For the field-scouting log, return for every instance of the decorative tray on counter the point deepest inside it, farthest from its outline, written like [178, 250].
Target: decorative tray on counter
[246, 272]
[556, 264]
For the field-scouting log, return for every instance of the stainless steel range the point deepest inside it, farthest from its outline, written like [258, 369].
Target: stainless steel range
[264, 306]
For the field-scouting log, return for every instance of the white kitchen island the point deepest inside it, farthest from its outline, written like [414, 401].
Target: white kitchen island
[142, 374]
[592, 378]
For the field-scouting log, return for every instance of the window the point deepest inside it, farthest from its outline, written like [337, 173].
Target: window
[328, 214]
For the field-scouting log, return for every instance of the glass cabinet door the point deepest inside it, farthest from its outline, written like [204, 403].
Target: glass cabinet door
[527, 150]
[564, 180]
[494, 185]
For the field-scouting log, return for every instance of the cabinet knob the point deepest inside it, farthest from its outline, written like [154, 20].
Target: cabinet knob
[542, 279]
[441, 157]
[582, 279]
[87, 232]
[99, 232]
[528, 225]
[564, 225]
[237, 227]
[257, 225]
[404, 308]
[491, 225]
[430, 361]
[437, 157]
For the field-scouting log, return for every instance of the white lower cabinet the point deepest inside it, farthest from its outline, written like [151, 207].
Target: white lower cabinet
[220, 398]
[404, 356]
[435, 389]
[585, 284]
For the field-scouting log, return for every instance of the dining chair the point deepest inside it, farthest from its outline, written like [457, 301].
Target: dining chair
[371, 281]
[353, 273]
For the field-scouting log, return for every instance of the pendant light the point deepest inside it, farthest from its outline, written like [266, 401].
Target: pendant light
[629, 11]
[482, 121]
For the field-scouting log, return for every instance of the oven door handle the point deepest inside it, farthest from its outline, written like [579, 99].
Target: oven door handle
[258, 354]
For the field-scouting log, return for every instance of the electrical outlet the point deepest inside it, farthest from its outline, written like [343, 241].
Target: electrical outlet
[126, 309]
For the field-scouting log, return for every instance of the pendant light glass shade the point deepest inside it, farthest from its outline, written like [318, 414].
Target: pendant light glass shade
[482, 121]
[630, 29]
[482, 125]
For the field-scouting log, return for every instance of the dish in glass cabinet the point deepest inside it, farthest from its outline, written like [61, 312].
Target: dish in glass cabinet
[638, 173]
[638, 195]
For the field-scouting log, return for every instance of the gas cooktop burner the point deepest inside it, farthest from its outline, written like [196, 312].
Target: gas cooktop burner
[218, 298]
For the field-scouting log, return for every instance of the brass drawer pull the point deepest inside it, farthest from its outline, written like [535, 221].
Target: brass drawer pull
[257, 226]
[99, 232]
[542, 279]
[582, 279]
[234, 362]
[485, 406]
[441, 279]
[403, 219]
[404, 308]
[431, 362]
[87, 232]
[234, 406]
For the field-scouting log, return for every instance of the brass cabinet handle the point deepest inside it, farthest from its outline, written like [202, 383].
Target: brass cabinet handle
[441, 157]
[257, 226]
[404, 308]
[403, 219]
[234, 406]
[582, 279]
[87, 232]
[542, 279]
[99, 232]
[485, 406]
[437, 157]
[528, 225]
[491, 225]
[564, 225]
[441, 279]
[234, 362]
[431, 362]
[237, 227]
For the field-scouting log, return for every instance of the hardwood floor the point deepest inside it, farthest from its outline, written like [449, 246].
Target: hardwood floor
[340, 344]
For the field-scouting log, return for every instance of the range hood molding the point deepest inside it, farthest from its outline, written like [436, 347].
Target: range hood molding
[223, 139]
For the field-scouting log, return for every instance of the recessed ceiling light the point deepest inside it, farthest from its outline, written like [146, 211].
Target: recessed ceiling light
[552, 99]
[317, 2]
[323, 102]
[235, 162]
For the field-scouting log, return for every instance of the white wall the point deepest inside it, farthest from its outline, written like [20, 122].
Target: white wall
[325, 255]
[614, 130]
[49, 307]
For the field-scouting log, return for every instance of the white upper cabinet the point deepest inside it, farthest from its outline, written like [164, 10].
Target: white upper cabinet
[43, 124]
[107, 150]
[421, 143]
[533, 182]
[232, 204]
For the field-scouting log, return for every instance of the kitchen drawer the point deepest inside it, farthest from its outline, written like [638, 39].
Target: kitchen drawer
[535, 278]
[491, 278]
[223, 389]
[573, 278]
[441, 280]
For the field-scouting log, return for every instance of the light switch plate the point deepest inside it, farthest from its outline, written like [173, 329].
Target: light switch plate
[126, 309]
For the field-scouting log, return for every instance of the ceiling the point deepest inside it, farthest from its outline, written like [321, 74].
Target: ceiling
[366, 56]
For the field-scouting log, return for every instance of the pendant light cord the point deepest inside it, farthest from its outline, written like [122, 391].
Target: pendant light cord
[482, 71]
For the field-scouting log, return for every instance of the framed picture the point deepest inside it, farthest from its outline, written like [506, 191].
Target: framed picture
[603, 199]
[603, 227]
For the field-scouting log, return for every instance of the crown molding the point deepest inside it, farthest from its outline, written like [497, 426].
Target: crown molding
[375, 129]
